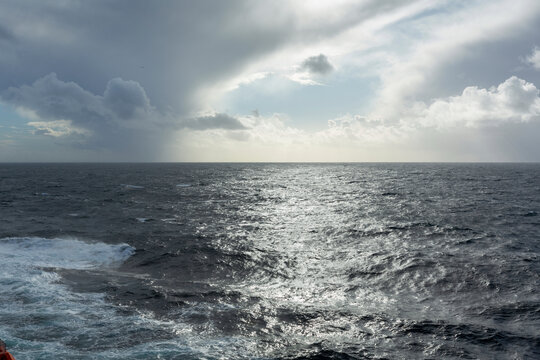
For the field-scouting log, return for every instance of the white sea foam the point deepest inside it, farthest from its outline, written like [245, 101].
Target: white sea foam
[60, 253]
[183, 185]
[40, 318]
[133, 187]
[35, 306]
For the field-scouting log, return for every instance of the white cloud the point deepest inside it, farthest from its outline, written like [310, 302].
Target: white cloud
[57, 128]
[441, 41]
[303, 78]
[453, 124]
[513, 101]
[236, 82]
[534, 58]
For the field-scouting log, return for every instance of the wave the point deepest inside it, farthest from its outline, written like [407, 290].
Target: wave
[39, 315]
[132, 187]
[32, 252]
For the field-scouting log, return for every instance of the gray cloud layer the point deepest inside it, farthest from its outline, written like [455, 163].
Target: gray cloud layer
[115, 119]
[53, 99]
[121, 119]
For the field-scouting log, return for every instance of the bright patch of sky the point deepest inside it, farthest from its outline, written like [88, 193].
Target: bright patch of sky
[307, 106]
[12, 124]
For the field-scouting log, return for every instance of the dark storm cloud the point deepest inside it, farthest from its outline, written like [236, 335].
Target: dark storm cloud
[126, 98]
[53, 99]
[216, 121]
[317, 65]
[121, 120]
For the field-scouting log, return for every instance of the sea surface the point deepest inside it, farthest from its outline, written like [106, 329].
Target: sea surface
[270, 261]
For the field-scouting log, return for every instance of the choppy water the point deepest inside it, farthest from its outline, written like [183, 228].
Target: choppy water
[268, 261]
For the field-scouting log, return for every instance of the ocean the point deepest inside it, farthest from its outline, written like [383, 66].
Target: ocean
[270, 261]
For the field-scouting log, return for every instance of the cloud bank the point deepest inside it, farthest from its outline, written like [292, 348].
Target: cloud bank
[473, 126]
[113, 120]
[513, 101]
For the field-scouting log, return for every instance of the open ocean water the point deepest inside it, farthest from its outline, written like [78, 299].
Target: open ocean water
[270, 261]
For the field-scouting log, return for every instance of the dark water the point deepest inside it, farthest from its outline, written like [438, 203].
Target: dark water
[288, 261]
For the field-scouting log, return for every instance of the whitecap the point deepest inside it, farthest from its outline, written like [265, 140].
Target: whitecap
[61, 253]
[34, 302]
[41, 318]
[132, 187]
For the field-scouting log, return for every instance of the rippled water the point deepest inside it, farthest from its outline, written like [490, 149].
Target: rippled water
[270, 261]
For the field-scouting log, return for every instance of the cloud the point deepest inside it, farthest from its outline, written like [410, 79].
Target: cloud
[513, 101]
[215, 121]
[311, 69]
[318, 65]
[444, 53]
[50, 98]
[127, 99]
[500, 123]
[122, 119]
[534, 58]
[56, 128]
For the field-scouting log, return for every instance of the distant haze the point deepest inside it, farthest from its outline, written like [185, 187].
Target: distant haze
[380, 80]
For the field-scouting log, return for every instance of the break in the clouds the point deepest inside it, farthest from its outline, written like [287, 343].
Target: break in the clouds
[129, 80]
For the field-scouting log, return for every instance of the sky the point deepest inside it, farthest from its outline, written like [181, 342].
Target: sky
[283, 80]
